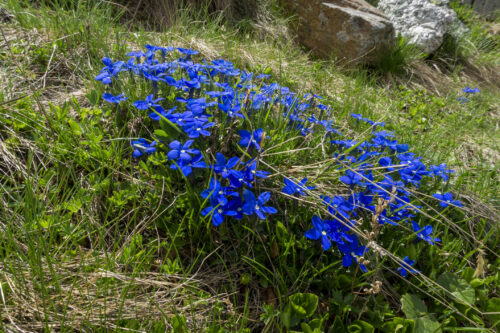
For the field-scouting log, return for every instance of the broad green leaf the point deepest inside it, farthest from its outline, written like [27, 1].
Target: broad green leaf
[427, 324]
[458, 287]
[494, 308]
[413, 307]
[289, 317]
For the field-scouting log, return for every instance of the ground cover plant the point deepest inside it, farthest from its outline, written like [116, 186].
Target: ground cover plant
[193, 192]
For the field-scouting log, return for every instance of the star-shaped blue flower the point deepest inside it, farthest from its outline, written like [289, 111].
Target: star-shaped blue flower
[252, 205]
[292, 187]
[251, 139]
[425, 233]
[406, 267]
[113, 99]
[141, 147]
[446, 199]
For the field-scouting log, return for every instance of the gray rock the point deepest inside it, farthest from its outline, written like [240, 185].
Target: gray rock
[352, 30]
[421, 22]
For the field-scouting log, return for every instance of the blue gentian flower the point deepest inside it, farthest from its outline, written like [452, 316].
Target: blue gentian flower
[194, 132]
[187, 167]
[252, 205]
[148, 103]
[161, 113]
[181, 151]
[446, 199]
[251, 172]
[441, 171]
[218, 192]
[187, 51]
[337, 204]
[236, 205]
[237, 179]
[469, 90]
[217, 211]
[352, 178]
[263, 76]
[113, 99]
[223, 168]
[386, 162]
[425, 233]
[400, 212]
[357, 116]
[141, 147]
[232, 111]
[351, 251]
[111, 70]
[251, 139]
[136, 54]
[321, 229]
[291, 187]
[406, 266]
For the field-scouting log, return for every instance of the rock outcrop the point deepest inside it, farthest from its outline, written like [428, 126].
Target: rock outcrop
[351, 30]
[421, 22]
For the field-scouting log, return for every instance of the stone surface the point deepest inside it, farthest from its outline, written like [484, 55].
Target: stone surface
[487, 8]
[351, 30]
[421, 22]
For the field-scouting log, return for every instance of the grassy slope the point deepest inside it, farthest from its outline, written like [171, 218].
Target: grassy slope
[64, 243]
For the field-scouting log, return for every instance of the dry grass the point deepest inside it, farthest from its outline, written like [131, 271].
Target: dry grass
[84, 295]
[22, 74]
[160, 14]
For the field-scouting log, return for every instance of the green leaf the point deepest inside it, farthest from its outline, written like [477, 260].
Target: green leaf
[338, 326]
[169, 127]
[306, 328]
[317, 323]
[399, 325]
[476, 283]
[281, 232]
[457, 287]
[161, 135]
[427, 325]
[75, 127]
[413, 307]
[304, 304]
[468, 273]
[360, 326]
[179, 324]
[493, 306]
[289, 317]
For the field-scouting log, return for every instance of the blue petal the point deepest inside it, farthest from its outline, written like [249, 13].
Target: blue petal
[313, 234]
[325, 242]
[347, 260]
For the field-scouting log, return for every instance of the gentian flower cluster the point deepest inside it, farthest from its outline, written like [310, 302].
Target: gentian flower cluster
[209, 95]
[468, 91]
